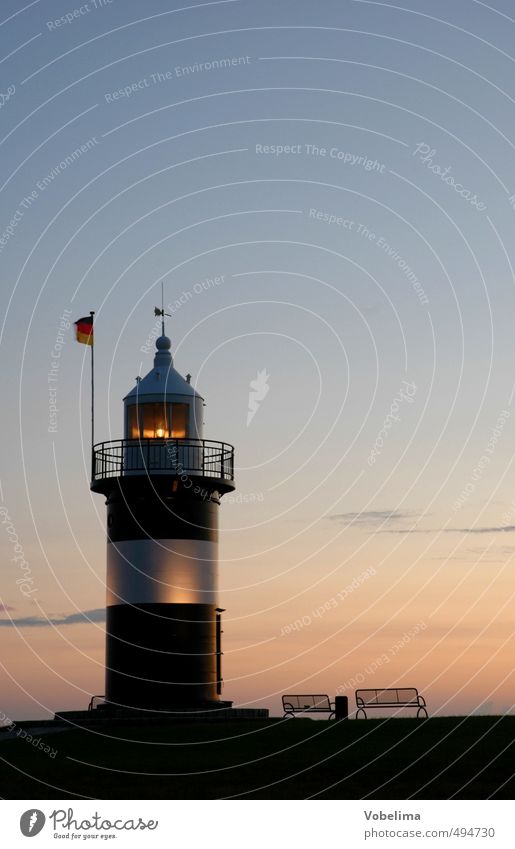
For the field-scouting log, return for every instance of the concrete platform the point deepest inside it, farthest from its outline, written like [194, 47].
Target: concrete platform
[119, 716]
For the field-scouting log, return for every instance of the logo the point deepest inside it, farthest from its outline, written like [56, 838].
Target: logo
[31, 822]
[259, 390]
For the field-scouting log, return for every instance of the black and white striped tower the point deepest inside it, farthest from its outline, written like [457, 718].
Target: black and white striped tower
[163, 483]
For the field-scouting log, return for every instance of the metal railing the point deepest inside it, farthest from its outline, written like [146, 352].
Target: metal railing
[204, 457]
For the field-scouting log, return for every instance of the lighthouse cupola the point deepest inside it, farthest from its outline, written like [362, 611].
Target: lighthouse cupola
[163, 405]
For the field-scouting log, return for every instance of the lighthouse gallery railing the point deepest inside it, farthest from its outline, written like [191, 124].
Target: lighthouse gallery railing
[204, 457]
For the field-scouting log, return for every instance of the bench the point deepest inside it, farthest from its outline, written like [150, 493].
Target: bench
[307, 704]
[393, 698]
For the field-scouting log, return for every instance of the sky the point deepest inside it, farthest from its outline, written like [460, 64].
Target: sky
[326, 191]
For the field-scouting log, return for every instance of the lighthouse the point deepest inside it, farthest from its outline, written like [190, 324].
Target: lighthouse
[163, 484]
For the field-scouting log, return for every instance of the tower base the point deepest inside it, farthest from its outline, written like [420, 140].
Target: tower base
[162, 656]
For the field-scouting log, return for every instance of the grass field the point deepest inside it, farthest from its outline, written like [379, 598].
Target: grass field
[464, 758]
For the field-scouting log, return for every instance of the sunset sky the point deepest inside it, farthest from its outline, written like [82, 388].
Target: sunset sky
[327, 192]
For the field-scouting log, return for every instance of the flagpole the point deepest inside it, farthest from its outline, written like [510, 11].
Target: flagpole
[92, 394]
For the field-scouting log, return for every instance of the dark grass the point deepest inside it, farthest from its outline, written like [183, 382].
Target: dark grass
[451, 757]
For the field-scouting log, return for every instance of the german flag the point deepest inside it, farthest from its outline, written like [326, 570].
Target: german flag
[84, 330]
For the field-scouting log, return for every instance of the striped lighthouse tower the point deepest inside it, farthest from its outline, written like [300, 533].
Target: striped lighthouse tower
[163, 483]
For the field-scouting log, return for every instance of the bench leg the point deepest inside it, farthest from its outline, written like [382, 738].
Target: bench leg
[424, 711]
[361, 710]
[290, 714]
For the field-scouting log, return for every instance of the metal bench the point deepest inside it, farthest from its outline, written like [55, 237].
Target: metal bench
[393, 698]
[307, 704]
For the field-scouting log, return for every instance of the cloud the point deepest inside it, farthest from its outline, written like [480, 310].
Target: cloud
[372, 517]
[376, 518]
[82, 617]
[500, 529]
[481, 554]
[4, 608]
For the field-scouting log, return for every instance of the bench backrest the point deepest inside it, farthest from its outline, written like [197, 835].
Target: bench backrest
[311, 702]
[396, 696]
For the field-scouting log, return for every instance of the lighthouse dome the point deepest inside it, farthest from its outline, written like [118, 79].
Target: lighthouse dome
[163, 403]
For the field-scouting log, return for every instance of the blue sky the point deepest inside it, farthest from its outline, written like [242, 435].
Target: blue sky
[303, 153]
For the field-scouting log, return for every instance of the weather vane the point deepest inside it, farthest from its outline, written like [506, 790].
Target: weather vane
[161, 311]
